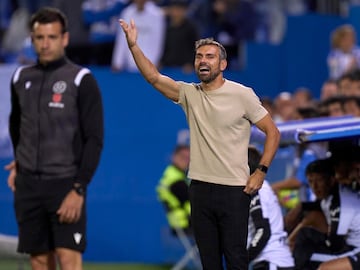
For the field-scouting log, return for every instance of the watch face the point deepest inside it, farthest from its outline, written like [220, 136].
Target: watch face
[263, 168]
[79, 190]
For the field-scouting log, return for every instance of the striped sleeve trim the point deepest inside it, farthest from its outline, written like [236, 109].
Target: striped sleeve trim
[81, 75]
[17, 74]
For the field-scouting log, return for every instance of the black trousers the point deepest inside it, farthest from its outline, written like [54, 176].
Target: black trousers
[219, 216]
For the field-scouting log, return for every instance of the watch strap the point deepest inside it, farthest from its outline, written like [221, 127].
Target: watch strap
[262, 168]
[79, 189]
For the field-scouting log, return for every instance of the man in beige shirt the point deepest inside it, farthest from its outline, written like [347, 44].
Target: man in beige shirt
[219, 114]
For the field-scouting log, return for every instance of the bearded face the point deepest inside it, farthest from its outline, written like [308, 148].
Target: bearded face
[207, 63]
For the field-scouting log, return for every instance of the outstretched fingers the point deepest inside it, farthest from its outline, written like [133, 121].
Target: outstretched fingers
[123, 24]
[132, 24]
[130, 31]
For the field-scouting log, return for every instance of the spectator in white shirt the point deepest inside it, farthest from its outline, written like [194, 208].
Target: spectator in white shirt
[151, 24]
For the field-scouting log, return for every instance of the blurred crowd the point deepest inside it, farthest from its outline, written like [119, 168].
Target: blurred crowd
[325, 170]
[169, 29]
[166, 26]
[339, 93]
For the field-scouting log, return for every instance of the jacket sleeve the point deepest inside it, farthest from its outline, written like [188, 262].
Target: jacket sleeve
[262, 228]
[92, 128]
[14, 119]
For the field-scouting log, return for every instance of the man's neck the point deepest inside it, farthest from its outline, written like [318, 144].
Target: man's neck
[213, 85]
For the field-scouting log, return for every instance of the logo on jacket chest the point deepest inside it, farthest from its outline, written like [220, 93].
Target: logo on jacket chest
[58, 90]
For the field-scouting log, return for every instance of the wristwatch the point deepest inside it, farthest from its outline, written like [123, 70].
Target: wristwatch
[79, 189]
[262, 168]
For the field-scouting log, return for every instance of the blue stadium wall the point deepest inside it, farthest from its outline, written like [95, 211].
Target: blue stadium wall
[125, 221]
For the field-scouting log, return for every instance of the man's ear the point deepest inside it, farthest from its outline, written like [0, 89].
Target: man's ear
[66, 37]
[223, 64]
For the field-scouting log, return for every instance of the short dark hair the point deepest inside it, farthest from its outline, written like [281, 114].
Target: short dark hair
[356, 99]
[324, 167]
[308, 112]
[333, 99]
[181, 147]
[49, 15]
[211, 41]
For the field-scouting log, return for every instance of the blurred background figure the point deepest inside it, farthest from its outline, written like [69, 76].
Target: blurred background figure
[181, 34]
[172, 190]
[338, 247]
[269, 105]
[6, 10]
[344, 55]
[79, 46]
[200, 12]
[284, 107]
[151, 24]
[352, 105]
[16, 40]
[344, 83]
[333, 106]
[234, 22]
[349, 83]
[33, 5]
[344, 164]
[101, 17]
[306, 152]
[302, 97]
[328, 89]
[267, 244]
[354, 86]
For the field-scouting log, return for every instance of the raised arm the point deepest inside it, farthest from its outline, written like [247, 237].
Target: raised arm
[164, 84]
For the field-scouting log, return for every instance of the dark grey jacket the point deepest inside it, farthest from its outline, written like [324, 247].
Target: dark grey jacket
[56, 121]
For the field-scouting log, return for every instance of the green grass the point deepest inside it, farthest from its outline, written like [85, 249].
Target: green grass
[14, 265]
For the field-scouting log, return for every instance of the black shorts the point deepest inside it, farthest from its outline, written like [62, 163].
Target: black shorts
[36, 203]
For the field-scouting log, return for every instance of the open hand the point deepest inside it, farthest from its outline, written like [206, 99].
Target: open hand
[254, 182]
[130, 32]
[70, 209]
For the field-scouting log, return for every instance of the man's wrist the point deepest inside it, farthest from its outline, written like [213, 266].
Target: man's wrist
[131, 45]
[262, 168]
[79, 189]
